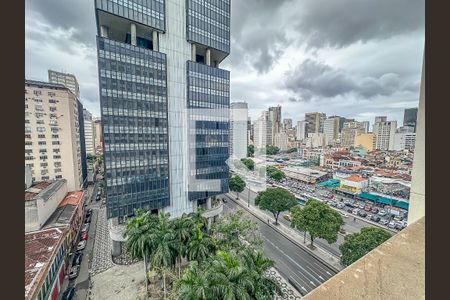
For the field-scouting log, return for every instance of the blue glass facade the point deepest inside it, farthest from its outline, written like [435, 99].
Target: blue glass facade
[208, 102]
[133, 96]
[208, 23]
[147, 12]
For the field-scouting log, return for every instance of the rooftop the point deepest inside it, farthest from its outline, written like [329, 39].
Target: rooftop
[43, 189]
[355, 178]
[72, 198]
[62, 216]
[40, 247]
[43, 84]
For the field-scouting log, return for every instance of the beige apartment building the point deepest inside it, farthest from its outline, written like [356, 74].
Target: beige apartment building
[349, 133]
[366, 140]
[52, 138]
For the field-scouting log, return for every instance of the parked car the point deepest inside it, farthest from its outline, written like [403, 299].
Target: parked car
[341, 205]
[287, 217]
[375, 218]
[362, 213]
[88, 219]
[74, 272]
[224, 200]
[97, 198]
[68, 294]
[398, 226]
[81, 245]
[368, 216]
[355, 211]
[361, 205]
[332, 203]
[384, 222]
[382, 213]
[85, 227]
[368, 208]
[391, 224]
[78, 257]
[350, 210]
[398, 218]
[104, 201]
[344, 215]
[375, 210]
[84, 236]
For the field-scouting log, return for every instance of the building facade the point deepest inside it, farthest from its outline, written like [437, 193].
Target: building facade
[66, 79]
[287, 124]
[263, 131]
[366, 125]
[281, 140]
[331, 130]
[89, 132]
[410, 117]
[349, 133]
[159, 77]
[52, 133]
[84, 168]
[301, 130]
[365, 140]
[275, 119]
[314, 122]
[384, 134]
[238, 130]
[98, 135]
[404, 141]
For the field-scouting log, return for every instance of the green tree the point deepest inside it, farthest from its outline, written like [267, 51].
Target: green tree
[236, 184]
[272, 150]
[250, 150]
[357, 245]
[198, 220]
[249, 163]
[200, 246]
[291, 150]
[275, 174]
[275, 200]
[182, 228]
[90, 156]
[319, 221]
[194, 284]
[297, 221]
[234, 227]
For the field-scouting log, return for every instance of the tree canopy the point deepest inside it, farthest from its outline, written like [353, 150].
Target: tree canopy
[357, 245]
[318, 220]
[275, 200]
[291, 150]
[272, 150]
[236, 184]
[275, 174]
[249, 163]
[250, 150]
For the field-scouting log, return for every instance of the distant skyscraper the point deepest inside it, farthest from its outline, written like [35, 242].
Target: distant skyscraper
[301, 130]
[380, 119]
[287, 124]
[314, 122]
[238, 129]
[366, 125]
[349, 133]
[98, 133]
[164, 104]
[410, 117]
[384, 134]
[66, 79]
[89, 132]
[404, 141]
[275, 119]
[331, 130]
[263, 131]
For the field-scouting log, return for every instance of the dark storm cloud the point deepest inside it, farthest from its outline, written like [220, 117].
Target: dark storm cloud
[315, 79]
[344, 22]
[77, 15]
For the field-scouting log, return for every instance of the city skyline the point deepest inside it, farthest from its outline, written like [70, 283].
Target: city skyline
[283, 64]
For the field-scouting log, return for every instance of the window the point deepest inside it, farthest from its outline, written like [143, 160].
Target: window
[28, 136]
[37, 93]
[58, 176]
[57, 164]
[55, 136]
[27, 129]
[52, 108]
[41, 143]
[55, 142]
[40, 129]
[28, 143]
[45, 178]
[57, 170]
[41, 136]
[39, 122]
[44, 164]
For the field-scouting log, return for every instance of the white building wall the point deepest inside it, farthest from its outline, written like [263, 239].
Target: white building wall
[178, 50]
[301, 130]
[238, 130]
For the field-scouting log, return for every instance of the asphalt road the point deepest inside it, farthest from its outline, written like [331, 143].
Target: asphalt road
[350, 226]
[294, 263]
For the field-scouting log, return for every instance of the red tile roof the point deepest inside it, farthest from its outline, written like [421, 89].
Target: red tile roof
[40, 249]
[72, 198]
[39, 186]
[355, 178]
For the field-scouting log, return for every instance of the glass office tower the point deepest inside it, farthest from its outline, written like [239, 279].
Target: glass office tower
[158, 64]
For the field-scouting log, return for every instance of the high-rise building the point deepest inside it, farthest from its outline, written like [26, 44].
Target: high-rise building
[52, 134]
[238, 130]
[249, 131]
[98, 134]
[287, 124]
[275, 119]
[84, 166]
[349, 133]
[281, 140]
[380, 119]
[366, 125]
[314, 122]
[410, 117]
[89, 132]
[331, 129]
[301, 130]
[404, 141]
[263, 131]
[159, 77]
[66, 79]
[384, 134]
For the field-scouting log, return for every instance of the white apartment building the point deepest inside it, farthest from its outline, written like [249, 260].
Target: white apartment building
[316, 140]
[52, 139]
[331, 130]
[238, 130]
[384, 134]
[263, 131]
[89, 132]
[404, 141]
[281, 140]
[301, 130]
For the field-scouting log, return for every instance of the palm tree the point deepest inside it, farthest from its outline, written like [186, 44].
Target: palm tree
[182, 230]
[194, 284]
[197, 218]
[164, 253]
[201, 246]
[140, 242]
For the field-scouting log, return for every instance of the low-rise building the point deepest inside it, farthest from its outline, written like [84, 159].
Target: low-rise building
[41, 200]
[365, 140]
[306, 175]
[354, 184]
[44, 263]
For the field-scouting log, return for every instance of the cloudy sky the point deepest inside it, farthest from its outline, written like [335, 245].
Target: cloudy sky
[354, 58]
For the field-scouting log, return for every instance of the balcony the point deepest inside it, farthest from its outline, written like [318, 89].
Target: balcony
[214, 211]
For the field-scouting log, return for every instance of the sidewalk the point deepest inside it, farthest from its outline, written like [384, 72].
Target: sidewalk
[322, 255]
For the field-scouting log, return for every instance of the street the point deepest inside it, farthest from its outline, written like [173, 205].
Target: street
[293, 262]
